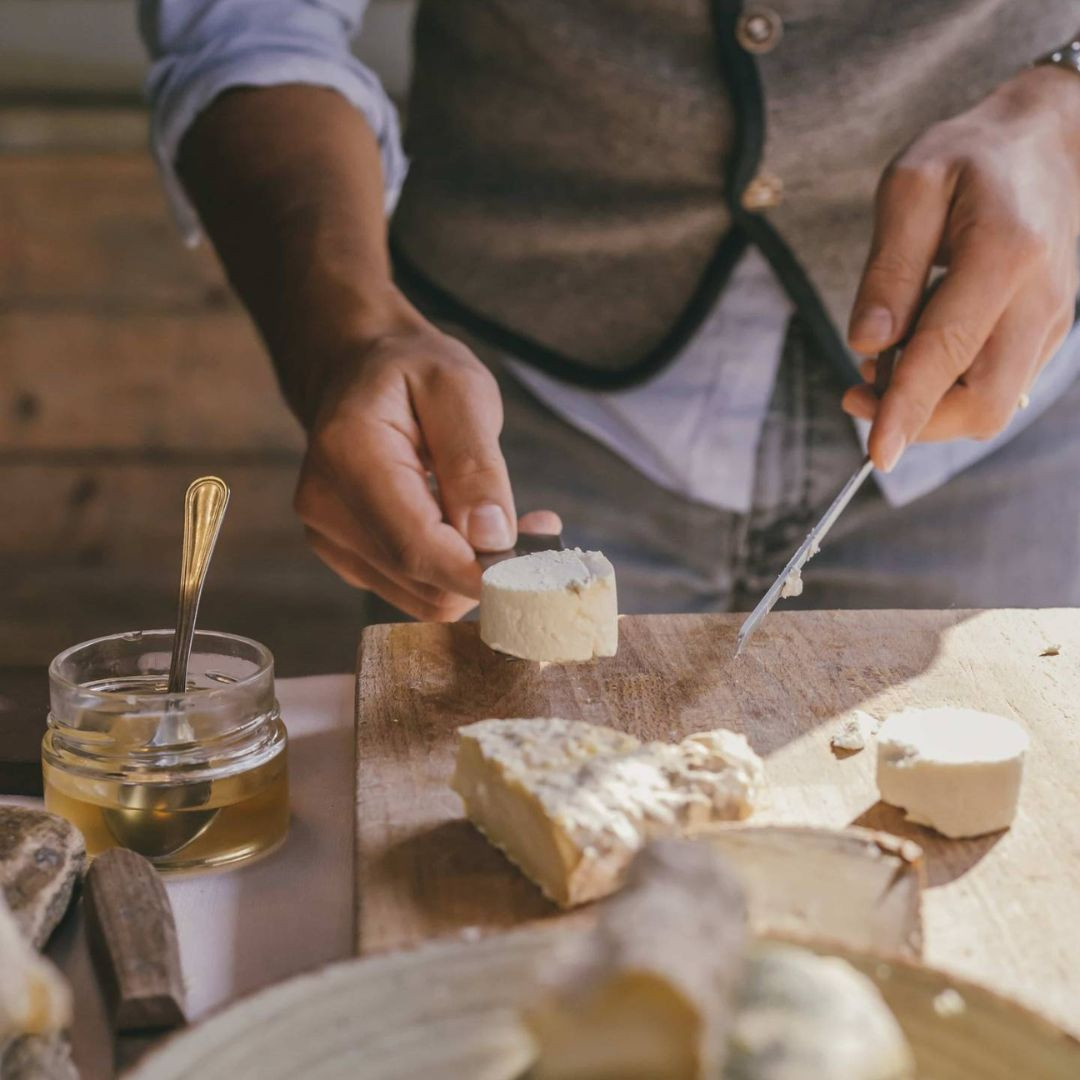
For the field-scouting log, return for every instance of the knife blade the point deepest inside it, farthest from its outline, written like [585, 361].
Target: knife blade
[792, 573]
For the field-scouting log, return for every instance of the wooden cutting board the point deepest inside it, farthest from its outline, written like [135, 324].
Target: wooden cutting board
[997, 908]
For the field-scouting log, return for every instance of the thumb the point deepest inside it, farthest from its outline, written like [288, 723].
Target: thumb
[460, 414]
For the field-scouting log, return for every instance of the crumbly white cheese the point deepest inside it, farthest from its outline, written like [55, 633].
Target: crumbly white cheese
[571, 803]
[34, 999]
[551, 606]
[949, 1002]
[647, 992]
[955, 770]
[855, 732]
[793, 584]
[801, 1016]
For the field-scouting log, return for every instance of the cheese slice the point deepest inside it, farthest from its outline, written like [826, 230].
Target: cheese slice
[551, 606]
[799, 1015]
[647, 992]
[956, 770]
[571, 803]
[34, 998]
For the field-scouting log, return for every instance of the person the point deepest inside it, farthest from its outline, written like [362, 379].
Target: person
[612, 284]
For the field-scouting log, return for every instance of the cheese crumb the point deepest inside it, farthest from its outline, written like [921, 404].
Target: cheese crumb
[855, 733]
[949, 1003]
[793, 584]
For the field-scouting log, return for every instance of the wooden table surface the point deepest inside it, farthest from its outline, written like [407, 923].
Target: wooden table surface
[998, 909]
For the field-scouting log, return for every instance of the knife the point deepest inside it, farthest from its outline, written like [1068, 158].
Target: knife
[792, 573]
[134, 949]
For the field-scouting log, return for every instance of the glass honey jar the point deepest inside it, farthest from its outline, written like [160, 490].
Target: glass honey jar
[191, 781]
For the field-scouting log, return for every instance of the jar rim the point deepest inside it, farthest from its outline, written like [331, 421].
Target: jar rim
[264, 659]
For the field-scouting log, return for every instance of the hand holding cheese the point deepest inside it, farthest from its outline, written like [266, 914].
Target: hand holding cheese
[551, 606]
[955, 770]
[571, 803]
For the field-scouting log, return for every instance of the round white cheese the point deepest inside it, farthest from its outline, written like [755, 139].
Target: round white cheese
[955, 770]
[551, 606]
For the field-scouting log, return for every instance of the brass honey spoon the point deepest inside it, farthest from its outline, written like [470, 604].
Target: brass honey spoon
[157, 820]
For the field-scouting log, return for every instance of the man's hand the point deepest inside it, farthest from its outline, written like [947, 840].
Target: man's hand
[412, 404]
[288, 182]
[994, 196]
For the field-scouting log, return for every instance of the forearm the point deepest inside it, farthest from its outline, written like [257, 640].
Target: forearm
[288, 184]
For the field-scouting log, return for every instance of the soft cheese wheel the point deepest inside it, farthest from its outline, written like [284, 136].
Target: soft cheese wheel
[956, 770]
[551, 606]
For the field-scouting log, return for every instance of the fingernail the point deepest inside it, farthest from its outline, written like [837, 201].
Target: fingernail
[489, 528]
[872, 327]
[895, 445]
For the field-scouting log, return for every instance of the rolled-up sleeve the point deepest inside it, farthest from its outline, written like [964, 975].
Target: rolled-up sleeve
[200, 48]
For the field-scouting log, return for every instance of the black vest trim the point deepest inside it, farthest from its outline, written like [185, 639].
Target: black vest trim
[441, 306]
[744, 84]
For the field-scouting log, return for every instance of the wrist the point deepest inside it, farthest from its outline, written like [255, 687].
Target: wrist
[1042, 103]
[338, 329]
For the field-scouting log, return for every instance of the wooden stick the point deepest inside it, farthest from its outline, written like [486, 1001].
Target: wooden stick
[133, 942]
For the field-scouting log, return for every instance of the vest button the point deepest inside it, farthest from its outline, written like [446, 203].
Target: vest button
[759, 29]
[764, 191]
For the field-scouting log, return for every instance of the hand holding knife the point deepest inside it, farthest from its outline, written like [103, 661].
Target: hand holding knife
[790, 577]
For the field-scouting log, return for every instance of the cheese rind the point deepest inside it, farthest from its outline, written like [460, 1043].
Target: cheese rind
[552, 606]
[955, 770]
[647, 992]
[571, 803]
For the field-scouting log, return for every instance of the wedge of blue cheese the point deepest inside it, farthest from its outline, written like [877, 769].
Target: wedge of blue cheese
[551, 606]
[571, 803]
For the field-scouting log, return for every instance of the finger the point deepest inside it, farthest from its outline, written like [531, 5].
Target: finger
[910, 214]
[543, 522]
[952, 331]
[383, 483]
[325, 515]
[460, 413]
[983, 404]
[440, 607]
[868, 369]
[861, 402]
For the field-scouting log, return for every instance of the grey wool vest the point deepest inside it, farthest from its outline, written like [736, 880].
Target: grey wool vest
[584, 173]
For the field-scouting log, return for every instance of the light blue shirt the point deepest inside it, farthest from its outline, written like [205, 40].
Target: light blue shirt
[694, 428]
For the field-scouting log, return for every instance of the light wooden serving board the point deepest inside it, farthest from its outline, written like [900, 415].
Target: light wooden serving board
[999, 909]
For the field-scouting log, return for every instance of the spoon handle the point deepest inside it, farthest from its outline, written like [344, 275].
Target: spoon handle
[204, 509]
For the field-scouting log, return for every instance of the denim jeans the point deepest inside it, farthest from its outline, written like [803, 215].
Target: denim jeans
[1004, 533]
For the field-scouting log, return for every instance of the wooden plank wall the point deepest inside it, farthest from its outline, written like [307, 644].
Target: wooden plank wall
[127, 369]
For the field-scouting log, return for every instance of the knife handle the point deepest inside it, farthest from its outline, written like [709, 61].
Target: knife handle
[886, 361]
[132, 935]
